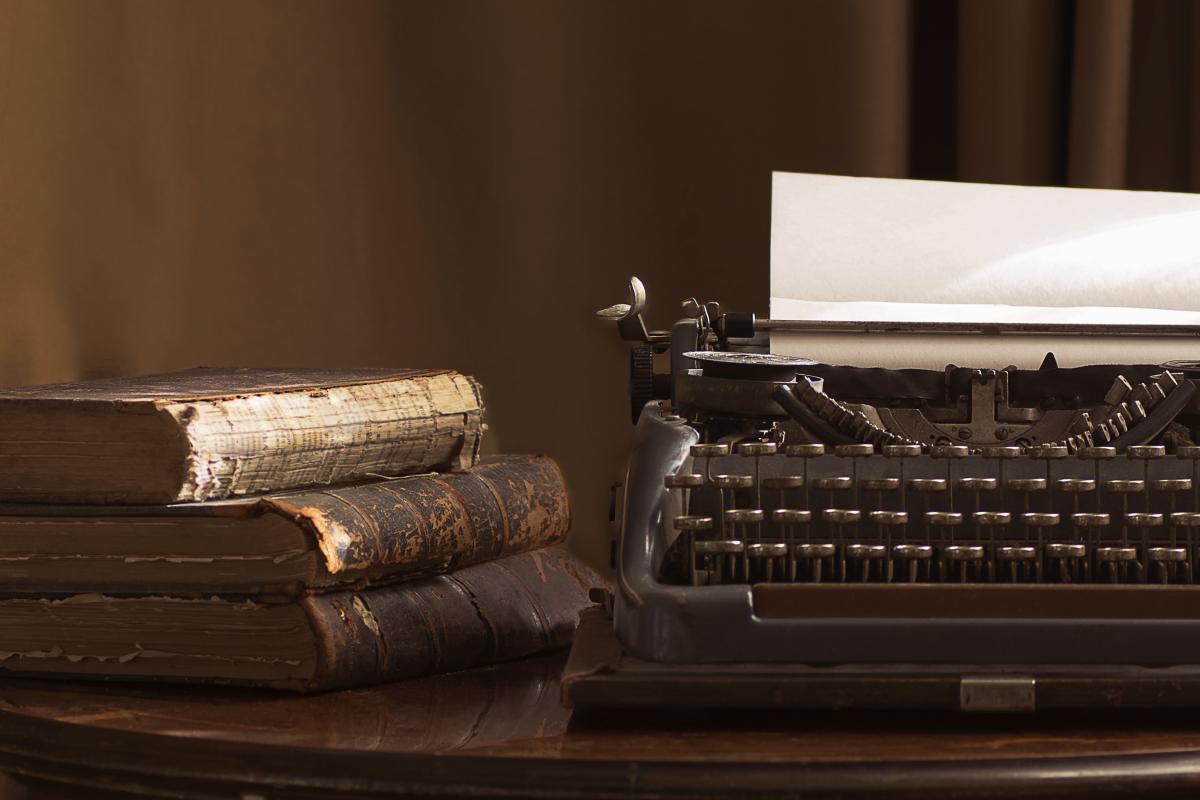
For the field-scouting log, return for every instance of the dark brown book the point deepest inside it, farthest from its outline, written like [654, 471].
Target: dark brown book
[206, 434]
[282, 545]
[482, 614]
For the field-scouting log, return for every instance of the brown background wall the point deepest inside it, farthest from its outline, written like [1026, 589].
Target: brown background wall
[463, 183]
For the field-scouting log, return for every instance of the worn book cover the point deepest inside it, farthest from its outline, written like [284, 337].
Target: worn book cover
[206, 434]
[481, 614]
[285, 544]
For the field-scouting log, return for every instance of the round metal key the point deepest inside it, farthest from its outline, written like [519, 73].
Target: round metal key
[709, 450]
[755, 449]
[733, 481]
[683, 481]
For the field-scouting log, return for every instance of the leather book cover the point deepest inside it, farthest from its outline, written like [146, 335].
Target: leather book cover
[486, 613]
[285, 544]
[208, 434]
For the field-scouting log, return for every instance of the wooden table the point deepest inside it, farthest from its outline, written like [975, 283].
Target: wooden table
[501, 731]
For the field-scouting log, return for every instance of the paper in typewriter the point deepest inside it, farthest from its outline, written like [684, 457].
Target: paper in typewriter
[875, 249]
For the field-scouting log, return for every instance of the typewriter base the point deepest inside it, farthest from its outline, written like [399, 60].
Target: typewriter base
[599, 675]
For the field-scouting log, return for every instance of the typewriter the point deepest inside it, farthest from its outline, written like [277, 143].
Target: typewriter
[794, 533]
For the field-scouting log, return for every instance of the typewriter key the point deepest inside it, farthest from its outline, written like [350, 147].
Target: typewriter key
[1020, 560]
[744, 518]
[816, 554]
[1117, 561]
[901, 452]
[762, 557]
[832, 484]
[1167, 559]
[730, 484]
[866, 555]
[961, 557]
[782, 484]
[684, 483]
[756, 450]
[708, 452]
[805, 452]
[733, 481]
[724, 556]
[1068, 555]
[913, 555]
[880, 484]
[1075, 487]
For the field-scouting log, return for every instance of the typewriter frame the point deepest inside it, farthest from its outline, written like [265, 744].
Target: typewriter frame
[1144, 625]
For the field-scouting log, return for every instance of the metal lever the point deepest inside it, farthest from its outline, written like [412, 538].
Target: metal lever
[628, 316]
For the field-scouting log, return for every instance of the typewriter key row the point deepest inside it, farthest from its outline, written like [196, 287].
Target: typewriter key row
[723, 561]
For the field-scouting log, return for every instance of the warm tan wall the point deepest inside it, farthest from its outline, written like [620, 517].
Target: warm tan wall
[463, 183]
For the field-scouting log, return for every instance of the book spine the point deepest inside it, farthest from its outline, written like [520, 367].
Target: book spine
[434, 522]
[318, 437]
[491, 612]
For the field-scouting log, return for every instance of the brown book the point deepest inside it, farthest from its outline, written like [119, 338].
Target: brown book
[282, 545]
[482, 614]
[206, 434]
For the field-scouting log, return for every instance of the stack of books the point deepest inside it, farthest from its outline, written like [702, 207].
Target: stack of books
[301, 529]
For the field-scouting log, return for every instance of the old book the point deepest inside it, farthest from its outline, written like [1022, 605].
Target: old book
[486, 613]
[281, 544]
[206, 434]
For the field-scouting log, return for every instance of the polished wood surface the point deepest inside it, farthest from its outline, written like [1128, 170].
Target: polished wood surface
[502, 730]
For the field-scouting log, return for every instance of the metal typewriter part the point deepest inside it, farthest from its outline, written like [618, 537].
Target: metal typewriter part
[781, 510]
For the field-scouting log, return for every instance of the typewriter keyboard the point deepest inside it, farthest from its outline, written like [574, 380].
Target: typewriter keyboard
[755, 512]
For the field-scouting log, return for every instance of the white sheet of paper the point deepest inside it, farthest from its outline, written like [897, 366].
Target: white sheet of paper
[877, 249]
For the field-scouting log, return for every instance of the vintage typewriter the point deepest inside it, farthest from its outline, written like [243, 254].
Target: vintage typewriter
[793, 533]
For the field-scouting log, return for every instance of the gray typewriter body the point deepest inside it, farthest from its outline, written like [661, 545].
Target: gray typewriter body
[780, 511]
